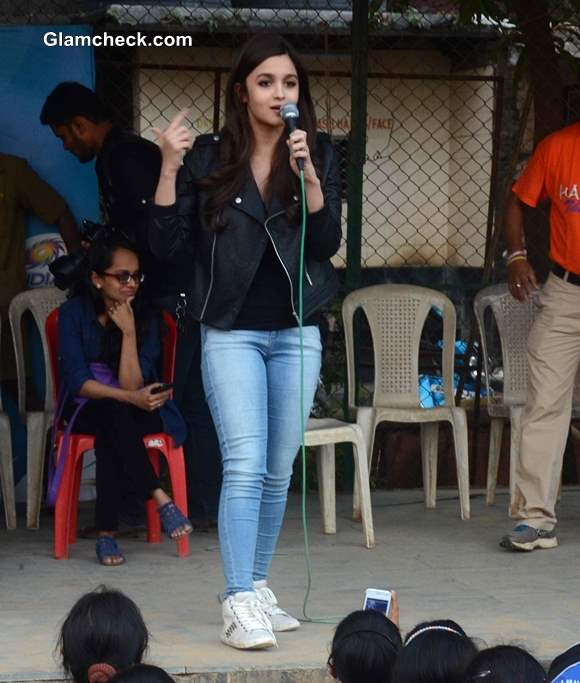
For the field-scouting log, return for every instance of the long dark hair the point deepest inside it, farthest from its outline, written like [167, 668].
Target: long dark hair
[238, 139]
[99, 258]
[364, 648]
[434, 652]
[103, 627]
[505, 664]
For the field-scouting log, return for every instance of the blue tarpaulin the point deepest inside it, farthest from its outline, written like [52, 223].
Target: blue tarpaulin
[431, 386]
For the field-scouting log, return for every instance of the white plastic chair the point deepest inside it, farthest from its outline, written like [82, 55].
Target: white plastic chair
[324, 433]
[6, 468]
[513, 320]
[396, 316]
[40, 302]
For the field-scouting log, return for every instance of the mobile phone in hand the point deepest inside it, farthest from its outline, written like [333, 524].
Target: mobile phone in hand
[162, 387]
[378, 599]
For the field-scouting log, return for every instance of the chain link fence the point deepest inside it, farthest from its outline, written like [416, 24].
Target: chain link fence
[430, 127]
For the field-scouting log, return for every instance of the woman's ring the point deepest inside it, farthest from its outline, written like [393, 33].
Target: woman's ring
[518, 284]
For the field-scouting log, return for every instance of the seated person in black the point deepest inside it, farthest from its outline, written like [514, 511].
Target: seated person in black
[109, 347]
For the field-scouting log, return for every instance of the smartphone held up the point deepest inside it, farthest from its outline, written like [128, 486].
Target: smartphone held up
[379, 600]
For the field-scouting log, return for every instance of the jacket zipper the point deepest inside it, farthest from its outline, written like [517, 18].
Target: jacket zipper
[282, 262]
[210, 278]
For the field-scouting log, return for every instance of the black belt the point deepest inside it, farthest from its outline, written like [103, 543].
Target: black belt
[568, 276]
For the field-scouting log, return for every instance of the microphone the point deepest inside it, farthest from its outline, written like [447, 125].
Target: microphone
[289, 114]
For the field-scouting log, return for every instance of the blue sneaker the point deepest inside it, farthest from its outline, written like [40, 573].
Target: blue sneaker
[526, 538]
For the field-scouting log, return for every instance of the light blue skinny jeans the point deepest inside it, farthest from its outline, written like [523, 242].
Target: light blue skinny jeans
[252, 383]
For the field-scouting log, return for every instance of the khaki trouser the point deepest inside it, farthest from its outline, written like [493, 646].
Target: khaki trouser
[553, 359]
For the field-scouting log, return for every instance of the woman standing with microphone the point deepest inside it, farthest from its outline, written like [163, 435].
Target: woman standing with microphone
[233, 202]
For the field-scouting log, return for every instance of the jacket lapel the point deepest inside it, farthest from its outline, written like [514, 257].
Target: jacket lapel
[250, 201]
[277, 206]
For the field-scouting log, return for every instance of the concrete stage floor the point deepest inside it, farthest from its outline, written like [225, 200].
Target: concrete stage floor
[441, 567]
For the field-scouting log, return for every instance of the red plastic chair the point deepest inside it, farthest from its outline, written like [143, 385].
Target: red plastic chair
[66, 509]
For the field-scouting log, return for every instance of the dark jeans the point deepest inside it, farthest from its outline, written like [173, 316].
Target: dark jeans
[201, 448]
[120, 454]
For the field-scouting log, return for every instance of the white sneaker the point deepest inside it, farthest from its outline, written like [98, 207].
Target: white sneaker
[281, 620]
[246, 627]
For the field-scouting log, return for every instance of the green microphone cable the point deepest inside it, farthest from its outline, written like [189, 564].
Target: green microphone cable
[317, 620]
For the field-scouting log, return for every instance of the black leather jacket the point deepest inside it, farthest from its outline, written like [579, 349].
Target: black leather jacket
[224, 263]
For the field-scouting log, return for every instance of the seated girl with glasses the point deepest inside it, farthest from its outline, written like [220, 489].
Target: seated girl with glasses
[109, 342]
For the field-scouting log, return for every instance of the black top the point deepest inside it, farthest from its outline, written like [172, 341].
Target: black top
[128, 168]
[268, 304]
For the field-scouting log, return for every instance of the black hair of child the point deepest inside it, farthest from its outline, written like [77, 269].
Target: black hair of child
[505, 664]
[364, 648]
[434, 652]
[103, 627]
[143, 673]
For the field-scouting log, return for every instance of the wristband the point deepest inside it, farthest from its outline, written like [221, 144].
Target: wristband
[513, 259]
[519, 252]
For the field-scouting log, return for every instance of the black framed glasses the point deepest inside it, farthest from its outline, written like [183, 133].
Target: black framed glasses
[124, 277]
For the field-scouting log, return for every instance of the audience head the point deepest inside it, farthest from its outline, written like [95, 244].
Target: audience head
[566, 667]
[103, 633]
[78, 118]
[505, 664]
[142, 673]
[434, 652]
[364, 648]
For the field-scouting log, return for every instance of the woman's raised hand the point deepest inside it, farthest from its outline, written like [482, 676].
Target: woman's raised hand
[174, 142]
[121, 313]
[298, 147]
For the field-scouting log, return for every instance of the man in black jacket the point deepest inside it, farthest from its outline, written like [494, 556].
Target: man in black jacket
[127, 168]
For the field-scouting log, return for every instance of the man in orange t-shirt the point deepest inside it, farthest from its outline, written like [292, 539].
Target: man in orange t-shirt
[552, 173]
